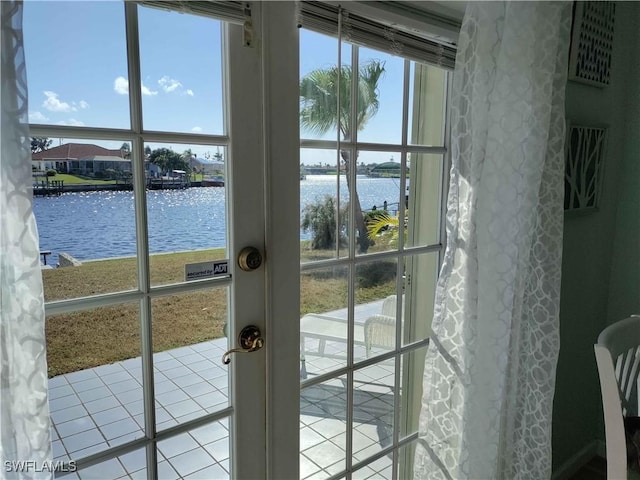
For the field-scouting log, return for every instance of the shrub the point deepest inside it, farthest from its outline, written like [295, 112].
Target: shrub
[51, 173]
[375, 273]
[320, 219]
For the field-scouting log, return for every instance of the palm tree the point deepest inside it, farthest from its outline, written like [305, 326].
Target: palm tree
[125, 148]
[187, 156]
[385, 225]
[319, 113]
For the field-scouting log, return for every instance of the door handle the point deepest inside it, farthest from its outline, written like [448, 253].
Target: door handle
[250, 340]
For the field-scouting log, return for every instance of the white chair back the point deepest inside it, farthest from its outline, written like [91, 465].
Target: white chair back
[389, 306]
[618, 358]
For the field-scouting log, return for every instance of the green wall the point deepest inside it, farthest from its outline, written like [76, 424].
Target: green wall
[624, 286]
[600, 268]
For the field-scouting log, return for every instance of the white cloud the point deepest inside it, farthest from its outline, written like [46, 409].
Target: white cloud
[169, 84]
[72, 122]
[121, 86]
[37, 117]
[146, 91]
[196, 129]
[82, 104]
[53, 103]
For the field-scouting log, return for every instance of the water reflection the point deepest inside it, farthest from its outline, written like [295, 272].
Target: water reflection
[94, 225]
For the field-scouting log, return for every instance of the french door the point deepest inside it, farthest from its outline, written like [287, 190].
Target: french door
[164, 144]
[134, 114]
[372, 213]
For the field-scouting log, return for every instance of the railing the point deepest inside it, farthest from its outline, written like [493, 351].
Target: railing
[46, 187]
[386, 207]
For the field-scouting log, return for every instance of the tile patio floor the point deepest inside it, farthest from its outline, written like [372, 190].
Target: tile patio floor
[98, 408]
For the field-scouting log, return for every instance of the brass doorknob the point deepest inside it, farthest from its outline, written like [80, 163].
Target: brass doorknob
[250, 340]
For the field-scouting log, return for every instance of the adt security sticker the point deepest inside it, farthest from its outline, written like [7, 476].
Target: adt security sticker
[198, 271]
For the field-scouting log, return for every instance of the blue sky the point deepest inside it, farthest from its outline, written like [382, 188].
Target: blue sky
[77, 73]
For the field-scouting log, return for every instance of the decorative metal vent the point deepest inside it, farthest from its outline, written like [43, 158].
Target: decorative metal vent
[592, 43]
[585, 148]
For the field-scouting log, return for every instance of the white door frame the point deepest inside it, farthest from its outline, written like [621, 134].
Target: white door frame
[281, 118]
[246, 200]
[272, 58]
[282, 106]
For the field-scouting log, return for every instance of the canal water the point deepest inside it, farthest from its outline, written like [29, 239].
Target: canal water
[93, 225]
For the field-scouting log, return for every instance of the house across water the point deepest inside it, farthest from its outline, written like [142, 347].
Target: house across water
[87, 160]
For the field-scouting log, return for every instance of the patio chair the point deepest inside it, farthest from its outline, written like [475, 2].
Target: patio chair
[618, 358]
[380, 329]
[377, 331]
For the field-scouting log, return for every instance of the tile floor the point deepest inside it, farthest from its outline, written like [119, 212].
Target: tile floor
[98, 408]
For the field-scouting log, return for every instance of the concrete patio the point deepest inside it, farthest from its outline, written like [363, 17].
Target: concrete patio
[98, 408]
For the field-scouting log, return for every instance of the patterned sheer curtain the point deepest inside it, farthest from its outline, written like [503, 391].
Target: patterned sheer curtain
[24, 410]
[490, 367]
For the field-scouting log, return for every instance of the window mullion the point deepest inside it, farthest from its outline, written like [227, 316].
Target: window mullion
[142, 239]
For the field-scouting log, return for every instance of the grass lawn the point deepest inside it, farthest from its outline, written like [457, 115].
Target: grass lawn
[105, 335]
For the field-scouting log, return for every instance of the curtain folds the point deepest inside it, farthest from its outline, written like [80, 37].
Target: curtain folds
[490, 367]
[24, 410]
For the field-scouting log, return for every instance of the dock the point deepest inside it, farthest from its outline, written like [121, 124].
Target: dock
[46, 188]
[168, 183]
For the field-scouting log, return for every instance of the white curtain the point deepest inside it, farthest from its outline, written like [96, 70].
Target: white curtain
[490, 367]
[24, 410]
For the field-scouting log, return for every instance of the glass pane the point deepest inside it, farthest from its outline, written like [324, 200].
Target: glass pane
[379, 469]
[186, 210]
[323, 427]
[423, 197]
[373, 409]
[95, 379]
[375, 309]
[412, 373]
[111, 468]
[181, 93]
[200, 453]
[420, 276]
[427, 104]
[381, 86]
[65, 469]
[188, 341]
[133, 464]
[73, 71]
[324, 204]
[323, 322]
[319, 75]
[84, 207]
[379, 195]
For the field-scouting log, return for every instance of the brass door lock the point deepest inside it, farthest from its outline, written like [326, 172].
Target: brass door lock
[249, 259]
